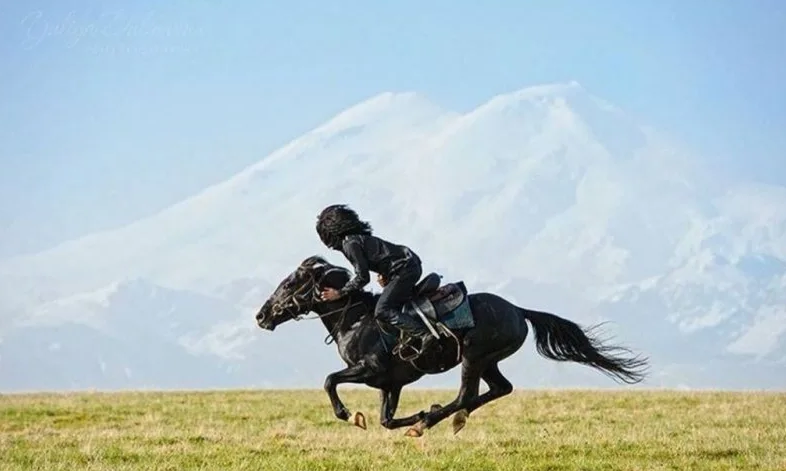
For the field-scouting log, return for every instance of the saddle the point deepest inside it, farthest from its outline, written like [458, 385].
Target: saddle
[441, 308]
[437, 299]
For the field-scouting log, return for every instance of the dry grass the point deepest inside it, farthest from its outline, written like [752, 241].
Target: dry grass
[295, 430]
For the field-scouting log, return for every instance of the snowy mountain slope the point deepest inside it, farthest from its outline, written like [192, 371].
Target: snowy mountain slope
[547, 195]
[137, 334]
[169, 247]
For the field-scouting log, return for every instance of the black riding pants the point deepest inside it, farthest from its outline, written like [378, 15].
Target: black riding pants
[396, 293]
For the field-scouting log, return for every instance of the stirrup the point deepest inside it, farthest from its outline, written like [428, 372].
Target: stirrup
[404, 345]
[397, 350]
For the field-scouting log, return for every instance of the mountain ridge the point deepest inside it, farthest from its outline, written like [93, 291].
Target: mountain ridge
[544, 193]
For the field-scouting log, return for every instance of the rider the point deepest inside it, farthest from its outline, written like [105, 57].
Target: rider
[397, 266]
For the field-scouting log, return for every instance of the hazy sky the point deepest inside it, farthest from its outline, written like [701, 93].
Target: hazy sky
[110, 112]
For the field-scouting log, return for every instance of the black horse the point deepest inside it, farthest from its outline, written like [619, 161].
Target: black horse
[499, 330]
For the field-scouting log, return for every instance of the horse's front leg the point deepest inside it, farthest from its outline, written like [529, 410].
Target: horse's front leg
[390, 397]
[359, 373]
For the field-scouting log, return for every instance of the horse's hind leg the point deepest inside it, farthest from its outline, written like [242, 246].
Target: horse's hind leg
[499, 386]
[468, 399]
[470, 384]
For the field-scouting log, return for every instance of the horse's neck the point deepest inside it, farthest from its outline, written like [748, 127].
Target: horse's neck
[330, 317]
[338, 316]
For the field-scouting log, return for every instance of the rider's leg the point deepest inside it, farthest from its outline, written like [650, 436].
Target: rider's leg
[396, 293]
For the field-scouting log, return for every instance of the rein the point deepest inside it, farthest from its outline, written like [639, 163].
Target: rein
[311, 285]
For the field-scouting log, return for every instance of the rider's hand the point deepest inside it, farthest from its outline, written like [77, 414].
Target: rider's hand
[381, 280]
[330, 294]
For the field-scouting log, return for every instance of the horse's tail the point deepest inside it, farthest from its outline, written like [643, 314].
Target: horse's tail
[563, 340]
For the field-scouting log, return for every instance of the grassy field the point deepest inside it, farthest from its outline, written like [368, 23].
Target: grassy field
[296, 430]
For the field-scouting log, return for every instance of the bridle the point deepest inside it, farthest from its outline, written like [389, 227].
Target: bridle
[309, 290]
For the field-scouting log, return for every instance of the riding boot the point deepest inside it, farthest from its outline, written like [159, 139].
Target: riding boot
[411, 327]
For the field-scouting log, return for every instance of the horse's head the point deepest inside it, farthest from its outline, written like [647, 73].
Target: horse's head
[299, 293]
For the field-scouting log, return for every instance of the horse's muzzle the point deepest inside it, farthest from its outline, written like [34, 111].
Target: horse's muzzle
[266, 325]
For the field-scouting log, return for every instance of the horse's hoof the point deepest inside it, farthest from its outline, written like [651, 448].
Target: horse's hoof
[416, 430]
[343, 414]
[358, 420]
[435, 407]
[460, 420]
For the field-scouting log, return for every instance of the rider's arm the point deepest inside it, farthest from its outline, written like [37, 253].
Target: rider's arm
[353, 250]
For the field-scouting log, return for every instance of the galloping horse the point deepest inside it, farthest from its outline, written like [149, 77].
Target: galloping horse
[499, 330]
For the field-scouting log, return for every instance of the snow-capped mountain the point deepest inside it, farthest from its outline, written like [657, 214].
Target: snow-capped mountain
[547, 195]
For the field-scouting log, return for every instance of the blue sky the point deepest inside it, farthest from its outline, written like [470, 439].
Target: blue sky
[111, 112]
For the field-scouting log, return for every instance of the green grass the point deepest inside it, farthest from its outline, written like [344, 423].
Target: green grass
[296, 430]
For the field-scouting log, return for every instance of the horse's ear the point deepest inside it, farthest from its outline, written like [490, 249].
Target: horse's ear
[306, 264]
[314, 264]
[319, 263]
[314, 261]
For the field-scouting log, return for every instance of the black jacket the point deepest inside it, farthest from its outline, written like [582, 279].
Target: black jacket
[370, 253]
